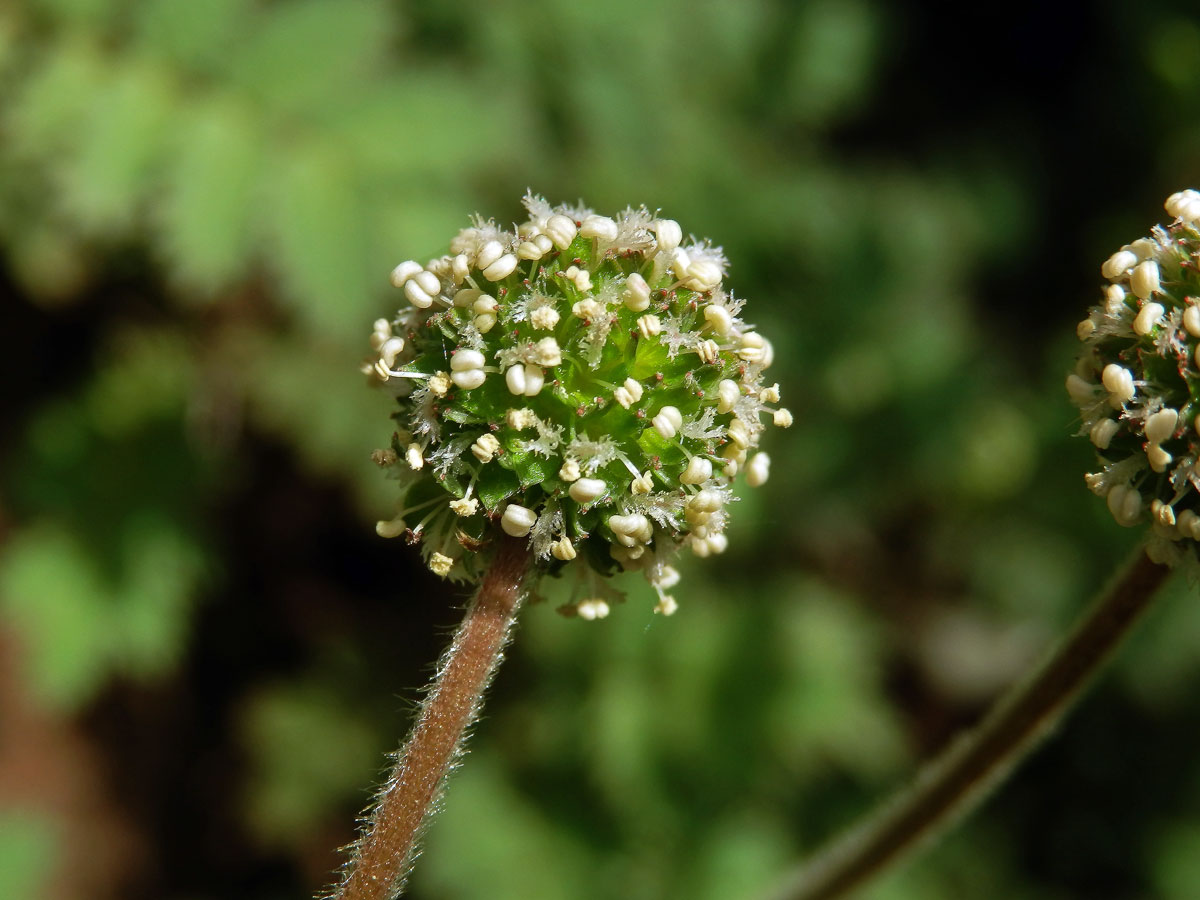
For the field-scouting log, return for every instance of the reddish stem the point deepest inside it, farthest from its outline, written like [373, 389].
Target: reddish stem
[962, 776]
[384, 855]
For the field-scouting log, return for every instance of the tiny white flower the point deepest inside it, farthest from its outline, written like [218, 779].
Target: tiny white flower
[581, 278]
[515, 379]
[709, 352]
[782, 418]
[1191, 320]
[1103, 432]
[591, 609]
[547, 353]
[632, 529]
[1118, 381]
[666, 606]
[416, 294]
[728, 393]
[738, 434]
[587, 309]
[667, 422]
[1161, 425]
[702, 275]
[405, 271]
[758, 470]
[485, 323]
[668, 234]
[1125, 503]
[484, 304]
[1178, 201]
[390, 528]
[569, 470]
[535, 378]
[718, 319]
[1085, 329]
[1158, 457]
[517, 520]
[529, 250]
[601, 227]
[561, 230]
[1189, 524]
[649, 326]
[1118, 264]
[643, 484]
[468, 506]
[587, 490]
[698, 471]
[1081, 391]
[520, 419]
[488, 254]
[380, 334]
[463, 360]
[439, 384]
[769, 394]
[753, 347]
[637, 293]
[501, 268]
[544, 318]
[440, 564]
[389, 350]
[1162, 513]
[485, 448]
[469, 379]
[1143, 280]
[563, 549]
[414, 456]
[629, 393]
[460, 267]
[1148, 318]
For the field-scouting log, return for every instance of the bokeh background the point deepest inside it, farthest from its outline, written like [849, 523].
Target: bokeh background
[205, 651]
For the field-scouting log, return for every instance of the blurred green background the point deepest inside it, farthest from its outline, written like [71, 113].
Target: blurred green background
[205, 652]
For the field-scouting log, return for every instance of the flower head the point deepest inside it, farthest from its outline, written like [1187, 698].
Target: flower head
[581, 381]
[1136, 381]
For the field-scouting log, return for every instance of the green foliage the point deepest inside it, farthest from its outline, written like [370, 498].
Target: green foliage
[27, 852]
[199, 205]
[307, 752]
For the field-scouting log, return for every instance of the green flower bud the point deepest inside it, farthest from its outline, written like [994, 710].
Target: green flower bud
[1135, 382]
[582, 381]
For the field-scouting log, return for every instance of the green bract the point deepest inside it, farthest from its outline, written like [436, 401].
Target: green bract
[582, 380]
[1136, 381]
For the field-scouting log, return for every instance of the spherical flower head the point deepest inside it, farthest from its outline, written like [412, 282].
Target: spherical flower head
[581, 381]
[1137, 378]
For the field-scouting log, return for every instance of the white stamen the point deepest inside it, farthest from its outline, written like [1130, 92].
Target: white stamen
[587, 490]
[758, 470]
[517, 520]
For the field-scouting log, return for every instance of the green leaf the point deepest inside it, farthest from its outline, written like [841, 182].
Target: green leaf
[530, 468]
[211, 194]
[196, 35]
[27, 853]
[44, 115]
[312, 54]
[317, 222]
[52, 591]
[120, 142]
[496, 485]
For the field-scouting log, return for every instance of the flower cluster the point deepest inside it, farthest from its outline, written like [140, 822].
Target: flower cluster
[1135, 382]
[582, 381]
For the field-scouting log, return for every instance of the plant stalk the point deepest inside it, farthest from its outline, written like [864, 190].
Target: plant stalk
[383, 857]
[955, 782]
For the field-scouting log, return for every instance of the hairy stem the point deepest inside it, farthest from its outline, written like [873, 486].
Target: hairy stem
[383, 857]
[959, 779]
